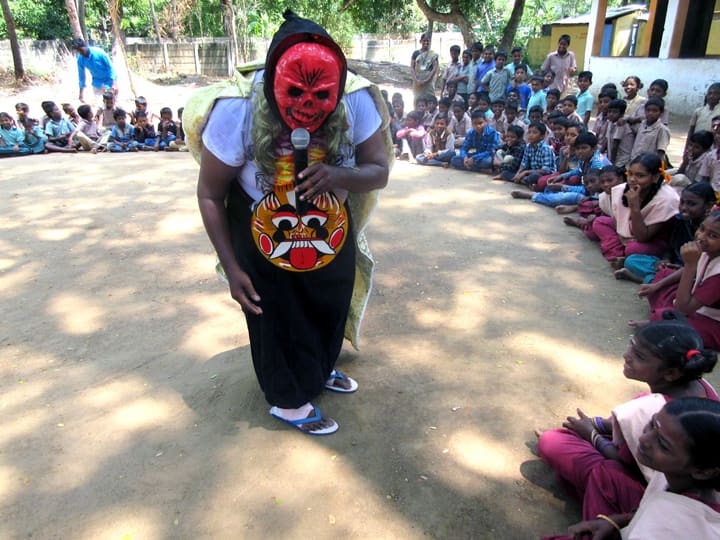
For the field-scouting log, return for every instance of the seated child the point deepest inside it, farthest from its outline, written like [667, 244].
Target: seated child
[47, 107]
[702, 117]
[588, 156]
[556, 195]
[566, 160]
[472, 102]
[535, 114]
[512, 118]
[12, 139]
[548, 78]
[452, 94]
[696, 152]
[696, 201]
[23, 112]
[479, 147]
[397, 121]
[411, 136]
[166, 130]
[584, 98]
[538, 158]
[710, 170]
[509, 155]
[483, 105]
[697, 288]
[72, 114]
[179, 143]
[558, 124]
[421, 107]
[609, 177]
[652, 135]
[59, 132]
[439, 144]
[498, 120]
[444, 105]
[144, 133]
[568, 106]
[121, 136]
[35, 137]
[642, 210]
[431, 109]
[87, 132]
[460, 124]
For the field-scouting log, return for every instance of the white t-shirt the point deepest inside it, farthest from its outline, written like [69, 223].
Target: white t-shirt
[227, 134]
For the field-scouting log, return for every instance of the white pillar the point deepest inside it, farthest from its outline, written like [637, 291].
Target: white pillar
[670, 21]
[597, 22]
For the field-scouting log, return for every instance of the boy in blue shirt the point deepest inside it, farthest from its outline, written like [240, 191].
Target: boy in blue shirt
[496, 80]
[479, 147]
[59, 132]
[584, 98]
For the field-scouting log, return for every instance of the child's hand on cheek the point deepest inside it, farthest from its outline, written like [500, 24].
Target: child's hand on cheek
[633, 196]
[690, 253]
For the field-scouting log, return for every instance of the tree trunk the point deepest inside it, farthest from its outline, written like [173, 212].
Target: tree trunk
[174, 25]
[456, 17]
[230, 29]
[512, 25]
[73, 16]
[14, 43]
[158, 35]
[118, 46]
[81, 18]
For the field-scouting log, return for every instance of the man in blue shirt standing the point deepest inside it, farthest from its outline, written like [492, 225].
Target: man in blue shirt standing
[95, 60]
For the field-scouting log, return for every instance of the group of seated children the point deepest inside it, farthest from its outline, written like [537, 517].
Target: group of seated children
[652, 222]
[108, 129]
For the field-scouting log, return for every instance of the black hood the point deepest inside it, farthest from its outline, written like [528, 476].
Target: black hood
[297, 30]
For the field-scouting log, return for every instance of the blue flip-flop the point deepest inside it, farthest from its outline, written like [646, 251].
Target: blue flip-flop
[316, 417]
[335, 374]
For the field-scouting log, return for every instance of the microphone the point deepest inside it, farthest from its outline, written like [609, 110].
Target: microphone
[300, 140]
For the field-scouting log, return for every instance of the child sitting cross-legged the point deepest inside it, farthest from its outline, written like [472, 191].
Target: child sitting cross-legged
[59, 131]
[121, 136]
[11, 138]
[509, 155]
[479, 147]
[410, 137]
[87, 132]
[144, 133]
[588, 156]
[460, 124]
[697, 151]
[538, 159]
[439, 144]
[166, 130]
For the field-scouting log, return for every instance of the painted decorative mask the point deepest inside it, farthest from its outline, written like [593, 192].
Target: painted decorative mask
[307, 85]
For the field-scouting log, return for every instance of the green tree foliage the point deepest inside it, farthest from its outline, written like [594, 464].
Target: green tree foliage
[38, 19]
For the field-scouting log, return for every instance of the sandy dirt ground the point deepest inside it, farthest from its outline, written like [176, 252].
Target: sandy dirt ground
[130, 409]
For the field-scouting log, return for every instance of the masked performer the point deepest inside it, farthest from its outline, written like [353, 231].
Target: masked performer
[290, 160]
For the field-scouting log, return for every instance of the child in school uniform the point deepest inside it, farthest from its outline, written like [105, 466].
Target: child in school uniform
[23, 113]
[144, 133]
[537, 95]
[710, 170]
[439, 144]
[588, 156]
[483, 105]
[166, 130]
[72, 114]
[412, 136]
[702, 117]
[599, 127]
[584, 98]
[87, 133]
[460, 124]
[35, 137]
[619, 135]
[498, 120]
[431, 110]
[652, 135]
[552, 100]
[12, 139]
[609, 177]
[496, 80]
[657, 88]
[696, 153]
[566, 160]
[121, 137]
[512, 118]
[518, 83]
[479, 147]
[59, 131]
[568, 107]
[508, 157]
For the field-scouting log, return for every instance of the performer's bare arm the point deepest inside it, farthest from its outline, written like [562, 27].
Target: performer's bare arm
[213, 186]
[371, 172]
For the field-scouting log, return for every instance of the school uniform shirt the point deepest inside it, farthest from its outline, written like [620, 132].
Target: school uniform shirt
[622, 137]
[472, 75]
[482, 69]
[538, 157]
[692, 169]
[661, 208]
[500, 124]
[600, 130]
[122, 135]
[597, 161]
[435, 142]
[480, 146]
[711, 168]
[585, 103]
[11, 137]
[702, 117]
[575, 117]
[640, 113]
[561, 66]
[633, 105]
[460, 128]
[89, 128]
[512, 66]
[524, 91]
[449, 73]
[496, 82]
[463, 86]
[537, 98]
[650, 138]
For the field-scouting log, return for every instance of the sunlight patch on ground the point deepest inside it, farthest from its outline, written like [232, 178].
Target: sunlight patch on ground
[141, 413]
[57, 233]
[479, 454]
[178, 224]
[431, 198]
[77, 314]
[126, 523]
[221, 325]
[18, 279]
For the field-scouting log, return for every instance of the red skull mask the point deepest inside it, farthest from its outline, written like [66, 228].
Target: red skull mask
[307, 85]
